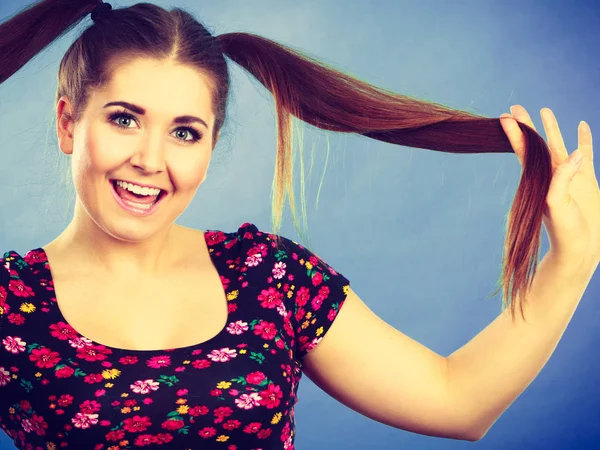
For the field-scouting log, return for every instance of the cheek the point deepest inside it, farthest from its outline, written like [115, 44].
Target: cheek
[189, 175]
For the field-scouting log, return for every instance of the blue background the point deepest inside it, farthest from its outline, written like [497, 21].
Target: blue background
[418, 233]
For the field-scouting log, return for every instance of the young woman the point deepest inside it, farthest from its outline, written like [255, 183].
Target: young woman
[128, 329]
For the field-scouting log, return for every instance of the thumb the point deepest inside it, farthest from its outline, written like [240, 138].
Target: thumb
[564, 174]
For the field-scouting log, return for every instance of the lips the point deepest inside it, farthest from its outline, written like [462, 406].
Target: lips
[160, 196]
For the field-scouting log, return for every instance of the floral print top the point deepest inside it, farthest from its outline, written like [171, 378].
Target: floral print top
[235, 391]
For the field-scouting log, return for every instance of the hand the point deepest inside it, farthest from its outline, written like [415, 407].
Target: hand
[572, 213]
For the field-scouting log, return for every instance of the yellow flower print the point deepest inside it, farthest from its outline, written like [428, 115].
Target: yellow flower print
[319, 331]
[125, 410]
[38, 374]
[27, 307]
[301, 261]
[242, 351]
[290, 293]
[304, 324]
[309, 314]
[224, 385]
[309, 266]
[232, 295]
[124, 394]
[1, 310]
[222, 438]
[181, 401]
[108, 385]
[111, 374]
[50, 446]
[183, 409]
[276, 418]
[278, 285]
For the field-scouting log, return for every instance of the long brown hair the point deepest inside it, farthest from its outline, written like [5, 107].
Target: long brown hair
[301, 86]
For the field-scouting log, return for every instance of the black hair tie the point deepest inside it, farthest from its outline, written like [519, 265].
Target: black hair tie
[101, 11]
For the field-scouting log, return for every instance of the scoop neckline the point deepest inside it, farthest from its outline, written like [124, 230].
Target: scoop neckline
[169, 351]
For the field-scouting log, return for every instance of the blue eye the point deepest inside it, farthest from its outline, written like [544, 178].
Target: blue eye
[196, 135]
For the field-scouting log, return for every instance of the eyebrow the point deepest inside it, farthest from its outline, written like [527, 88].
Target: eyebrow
[141, 111]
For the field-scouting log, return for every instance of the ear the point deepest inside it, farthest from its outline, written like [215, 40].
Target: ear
[64, 126]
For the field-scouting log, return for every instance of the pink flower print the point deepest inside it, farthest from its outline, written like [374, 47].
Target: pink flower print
[237, 327]
[221, 413]
[279, 270]
[207, 432]
[270, 298]
[80, 342]
[255, 377]
[317, 302]
[158, 362]
[4, 376]
[84, 420]
[253, 260]
[222, 355]
[144, 387]
[14, 344]
[248, 401]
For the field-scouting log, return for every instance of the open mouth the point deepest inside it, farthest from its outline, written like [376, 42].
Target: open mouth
[143, 207]
[160, 196]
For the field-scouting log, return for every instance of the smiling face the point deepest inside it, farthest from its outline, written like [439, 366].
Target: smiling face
[115, 142]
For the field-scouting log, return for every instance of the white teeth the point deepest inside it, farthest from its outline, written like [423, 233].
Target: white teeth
[138, 189]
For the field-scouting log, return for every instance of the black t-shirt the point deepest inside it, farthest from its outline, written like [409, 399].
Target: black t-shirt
[235, 391]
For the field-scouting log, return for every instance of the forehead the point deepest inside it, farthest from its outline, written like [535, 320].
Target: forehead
[161, 87]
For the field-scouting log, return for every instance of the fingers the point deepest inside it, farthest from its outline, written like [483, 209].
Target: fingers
[554, 137]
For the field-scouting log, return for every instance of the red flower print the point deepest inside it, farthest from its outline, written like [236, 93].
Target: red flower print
[14, 318]
[115, 435]
[144, 439]
[65, 400]
[264, 433]
[173, 424]
[214, 237]
[62, 331]
[20, 289]
[266, 330]
[232, 424]
[252, 427]
[136, 424]
[127, 360]
[255, 377]
[93, 378]
[317, 302]
[64, 372]
[317, 279]
[93, 352]
[163, 438]
[221, 413]
[302, 296]
[90, 407]
[198, 411]
[270, 396]
[44, 357]
[207, 432]
[158, 362]
[270, 298]
[201, 364]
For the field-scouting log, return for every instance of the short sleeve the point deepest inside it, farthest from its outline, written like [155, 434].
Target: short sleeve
[318, 295]
[4, 279]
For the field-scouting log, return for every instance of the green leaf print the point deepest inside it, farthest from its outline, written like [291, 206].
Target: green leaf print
[241, 380]
[280, 255]
[174, 414]
[26, 385]
[169, 381]
[258, 357]
[184, 430]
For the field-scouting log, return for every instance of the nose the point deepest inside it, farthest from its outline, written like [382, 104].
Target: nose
[150, 156]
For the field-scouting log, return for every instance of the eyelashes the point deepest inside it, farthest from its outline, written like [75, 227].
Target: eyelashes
[196, 135]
